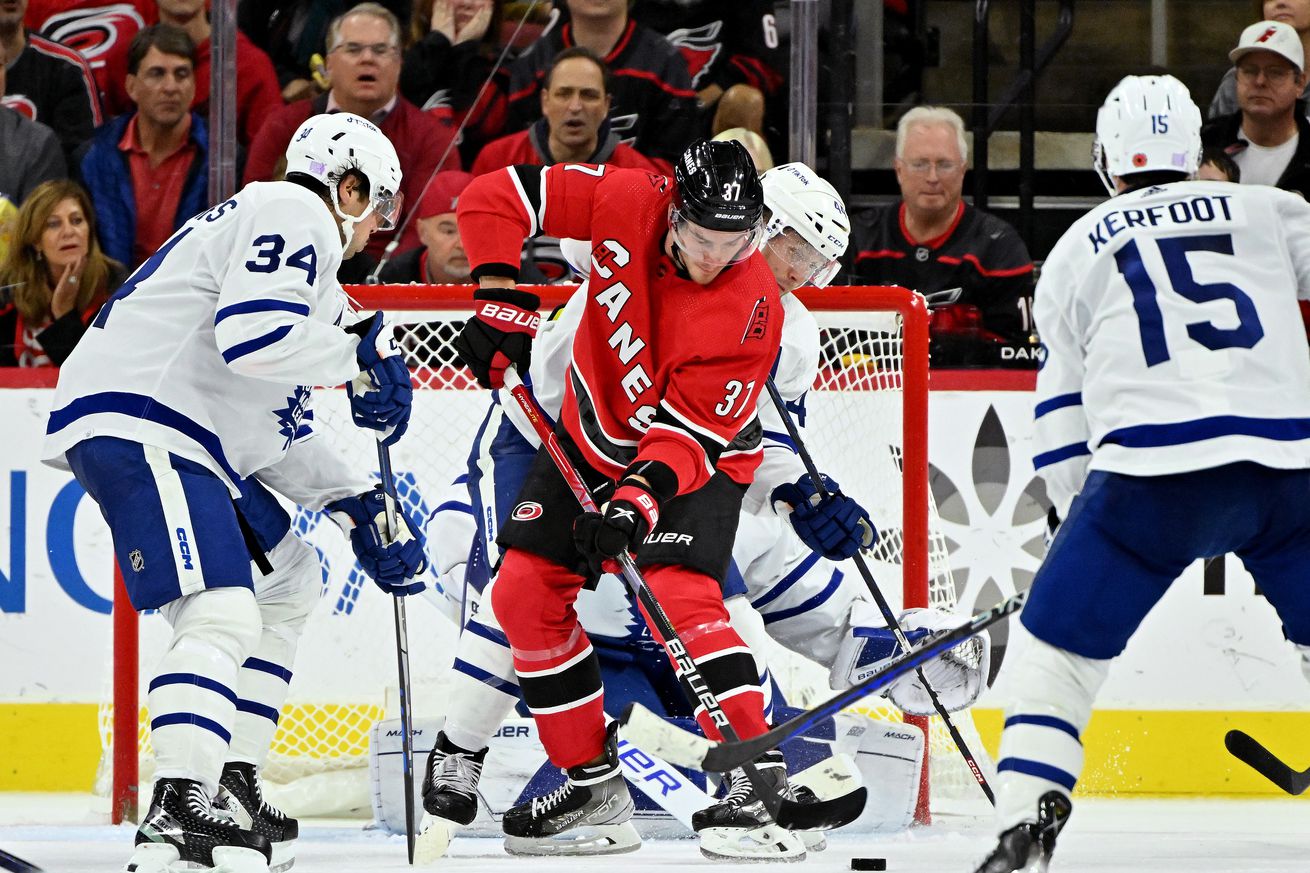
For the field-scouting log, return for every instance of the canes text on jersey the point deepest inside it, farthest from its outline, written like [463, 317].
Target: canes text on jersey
[605, 258]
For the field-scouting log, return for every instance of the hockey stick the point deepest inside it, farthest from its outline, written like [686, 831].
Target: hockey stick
[789, 814]
[16, 864]
[776, 396]
[1249, 751]
[402, 658]
[685, 749]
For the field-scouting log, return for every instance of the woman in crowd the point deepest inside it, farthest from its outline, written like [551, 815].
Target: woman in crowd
[55, 279]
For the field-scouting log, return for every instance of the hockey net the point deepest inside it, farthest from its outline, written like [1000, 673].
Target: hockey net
[866, 426]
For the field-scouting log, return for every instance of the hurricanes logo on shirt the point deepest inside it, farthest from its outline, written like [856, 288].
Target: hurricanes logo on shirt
[758, 326]
[293, 419]
[699, 46]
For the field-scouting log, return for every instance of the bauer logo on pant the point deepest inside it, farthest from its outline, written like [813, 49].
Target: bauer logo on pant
[527, 511]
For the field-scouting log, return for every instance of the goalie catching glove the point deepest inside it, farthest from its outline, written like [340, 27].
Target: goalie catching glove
[624, 522]
[381, 396]
[958, 675]
[392, 562]
[835, 526]
[499, 335]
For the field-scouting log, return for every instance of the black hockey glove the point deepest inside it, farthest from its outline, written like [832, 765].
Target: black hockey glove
[499, 335]
[601, 537]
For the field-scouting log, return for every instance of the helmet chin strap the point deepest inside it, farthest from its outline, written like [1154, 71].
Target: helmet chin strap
[348, 221]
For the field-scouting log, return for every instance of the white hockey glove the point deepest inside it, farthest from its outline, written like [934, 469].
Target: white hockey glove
[958, 675]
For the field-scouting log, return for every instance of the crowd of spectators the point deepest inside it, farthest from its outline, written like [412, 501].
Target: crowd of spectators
[109, 99]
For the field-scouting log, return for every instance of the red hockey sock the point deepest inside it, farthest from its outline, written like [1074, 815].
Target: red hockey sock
[558, 671]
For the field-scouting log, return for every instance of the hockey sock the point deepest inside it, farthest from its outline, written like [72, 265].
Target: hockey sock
[558, 671]
[192, 697]
[1041, 746]
[483, 686]
[1305, 660]
[694, 604]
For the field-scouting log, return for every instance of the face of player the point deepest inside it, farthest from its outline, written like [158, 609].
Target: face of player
[1267, 85]
[440, 236]
[575, 104]
[1293, 12]
[792, 260]
[704, 252]
[364, 66]
[931, 170]
[353, 203]
[66, 237]
[12, 12]
[163, 87]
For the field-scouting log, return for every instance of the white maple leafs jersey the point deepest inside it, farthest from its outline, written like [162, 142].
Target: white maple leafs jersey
[210, 348]
[1173, 336]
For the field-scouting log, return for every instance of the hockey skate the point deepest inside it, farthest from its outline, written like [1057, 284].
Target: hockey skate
[182, 832]
[241, 794]
[450, 796]
[590, 814]
[1027, 847]
[739, 828]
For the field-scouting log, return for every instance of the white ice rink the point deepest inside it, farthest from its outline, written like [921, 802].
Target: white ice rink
[59, 834]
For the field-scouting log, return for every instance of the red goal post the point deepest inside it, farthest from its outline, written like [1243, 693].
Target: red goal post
[875, 343]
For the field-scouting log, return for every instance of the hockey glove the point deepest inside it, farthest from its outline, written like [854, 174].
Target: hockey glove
[392, 562]
[499, 335]
[601, 537]
[834, 526]
[381, 396]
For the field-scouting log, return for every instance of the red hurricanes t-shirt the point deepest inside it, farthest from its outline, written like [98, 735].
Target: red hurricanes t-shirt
[663, 369]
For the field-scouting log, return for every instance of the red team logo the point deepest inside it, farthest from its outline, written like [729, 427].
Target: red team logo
[527, 511]
[758, 327]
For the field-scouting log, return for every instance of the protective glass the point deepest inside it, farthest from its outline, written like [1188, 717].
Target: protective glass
[718, 247]
[387, 206]
[803, 258]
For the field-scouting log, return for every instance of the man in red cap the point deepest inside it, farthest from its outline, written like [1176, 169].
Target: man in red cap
[440, 260]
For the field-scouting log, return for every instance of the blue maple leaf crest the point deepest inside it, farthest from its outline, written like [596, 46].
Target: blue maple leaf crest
[296, 418]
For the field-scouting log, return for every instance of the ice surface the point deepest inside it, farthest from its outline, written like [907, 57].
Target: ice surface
[60, 833]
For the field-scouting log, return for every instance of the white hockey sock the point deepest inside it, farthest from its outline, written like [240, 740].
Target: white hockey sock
[1305, 661]
[192, 697]
[1041, 747]
[483, 686]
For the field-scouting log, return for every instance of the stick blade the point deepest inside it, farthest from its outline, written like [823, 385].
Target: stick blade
[656, 736]
[1248, 750]
[821, 815]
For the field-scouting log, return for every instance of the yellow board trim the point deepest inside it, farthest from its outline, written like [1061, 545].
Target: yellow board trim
[56, 747]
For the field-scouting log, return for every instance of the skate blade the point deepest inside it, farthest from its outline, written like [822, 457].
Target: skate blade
[767, 844]
[284, 857]
[164, 858]
[814, 841]
[152, 858]
[585, 840]
[433, 839]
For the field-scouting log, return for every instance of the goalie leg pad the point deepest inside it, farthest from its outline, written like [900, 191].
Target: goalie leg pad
[1041, 747]
[192, 697]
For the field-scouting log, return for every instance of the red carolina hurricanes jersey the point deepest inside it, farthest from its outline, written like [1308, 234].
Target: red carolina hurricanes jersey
[663, 369]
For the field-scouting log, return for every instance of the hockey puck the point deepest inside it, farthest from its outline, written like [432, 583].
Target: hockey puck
[868, 863]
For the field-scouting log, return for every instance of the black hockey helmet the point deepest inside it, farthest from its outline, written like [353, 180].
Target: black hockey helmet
[717, 187]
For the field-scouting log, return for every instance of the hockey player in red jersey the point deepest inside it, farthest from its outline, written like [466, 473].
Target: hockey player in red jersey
[681, 327]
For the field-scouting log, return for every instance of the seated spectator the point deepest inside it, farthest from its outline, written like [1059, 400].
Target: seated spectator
[47, 82]
[933, 242]
[258, 95]
[731, 51]
[57, 277]
[100, 30]
[148, 170]
[575, 100]
[654, 107]
[1294, 13]
[1268, 137]
[440, 260]
[1218, 166]
[451, 53]
[363, 63]
[29, 151]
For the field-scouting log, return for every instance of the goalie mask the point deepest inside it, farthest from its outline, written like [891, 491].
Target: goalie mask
[1148, 123]
[327, 146]
[807, 225]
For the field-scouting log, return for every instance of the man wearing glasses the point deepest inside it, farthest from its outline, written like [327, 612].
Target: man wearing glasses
[933, 242]
[363, 66]
[1268, 136]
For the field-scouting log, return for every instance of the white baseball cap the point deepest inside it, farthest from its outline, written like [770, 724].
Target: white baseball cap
[1271, 36]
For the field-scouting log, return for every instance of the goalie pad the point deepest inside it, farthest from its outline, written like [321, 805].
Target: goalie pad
[1305, 661]
[958, 675]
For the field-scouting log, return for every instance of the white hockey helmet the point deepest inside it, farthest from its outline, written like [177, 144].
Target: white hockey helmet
[328, 145]
[800, 199]
[1148, 123]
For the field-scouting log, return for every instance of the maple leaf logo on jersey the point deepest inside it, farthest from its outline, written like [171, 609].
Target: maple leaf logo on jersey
[293, 419]
[758, 326]
[699, 46]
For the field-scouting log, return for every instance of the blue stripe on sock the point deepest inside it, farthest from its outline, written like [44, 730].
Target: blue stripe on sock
[199, 721]
[487, 633]
[1049, 721]
[1048, 772]
[193, 679]
[486, 678]
[259, 709]
[268, 667]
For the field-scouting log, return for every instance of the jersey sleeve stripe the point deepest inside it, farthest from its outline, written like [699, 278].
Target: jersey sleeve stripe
[813, 603]
[528, 206]
[709, 451]
[1060, 401]
[780, 439]
[681, 420]
[240, 350]
[1055, 456]
[1177, 433]
[266, 304]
